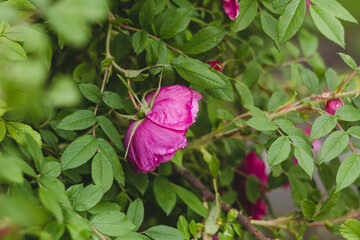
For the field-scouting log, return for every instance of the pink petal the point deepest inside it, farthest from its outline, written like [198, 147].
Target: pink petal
[152, 144]
[175, 107]
[216, 65]
[231, 8]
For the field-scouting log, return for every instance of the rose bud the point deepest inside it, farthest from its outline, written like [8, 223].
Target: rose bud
[216, 65]
[332, 105]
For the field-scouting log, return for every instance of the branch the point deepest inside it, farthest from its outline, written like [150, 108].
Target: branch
[219, 134]
[102, 91]
[347, 80]
[209, 196]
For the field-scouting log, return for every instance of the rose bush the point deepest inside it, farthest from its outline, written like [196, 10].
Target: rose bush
[83, 157]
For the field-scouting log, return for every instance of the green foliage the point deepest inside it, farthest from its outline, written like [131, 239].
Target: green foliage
[64, 116]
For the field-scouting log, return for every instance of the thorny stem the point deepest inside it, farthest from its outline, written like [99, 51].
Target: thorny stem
[287, 220]
[205, 192]
[132, 97]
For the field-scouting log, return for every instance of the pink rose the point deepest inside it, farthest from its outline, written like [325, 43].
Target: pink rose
[162, 132]
[216, 65]
[332, 105]
[252, 165]
[231, 8]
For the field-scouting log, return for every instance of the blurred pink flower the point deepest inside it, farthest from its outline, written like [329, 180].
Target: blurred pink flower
[231, 8]
[162, 132]
[216, 65]
[255, 166]
[332, 105]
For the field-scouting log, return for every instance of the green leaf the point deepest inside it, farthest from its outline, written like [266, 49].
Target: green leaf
[78, 120]
[17, 132]
[101, 171]
[135, 213]
[336, 9]
[291, 19]
[245, 94]
[91, 92]
[56, 189]
[278, 151]
[350, 229]
[183, 226]
[252, 189]
[251, 74]
[328, 25]
[308, 208]
[333, 146]
[332, 80]
[280, 3]
[204, 40]
[348, 113]
[308, 42]
[246, 15]
[139, 181]
[269, 25]
[277, 100]
[164, 194]
[2, 130]
[194, 72]
[111, 155]
[211, 224]
[354, 131]
[306, 159]
[146, 14]
[178, 157]
[79, 152]
[12, 50]
[261, 124]
[162, 232]
[87, 197]
[174, 21]
[104, 207]
[71, 20]
[349, 61]
[113, 100]
[140, 41]
[108, 127]
[326, 208]
[348, 172]
[322, 126]
[309, 78]
[191, 200]
[51, 169]
[51, 204]
[112, 223]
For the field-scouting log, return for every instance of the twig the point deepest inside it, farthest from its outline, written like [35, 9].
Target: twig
[211, 197]
[102, 91]
[100, 234]
[151, 36]
[347, 80]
